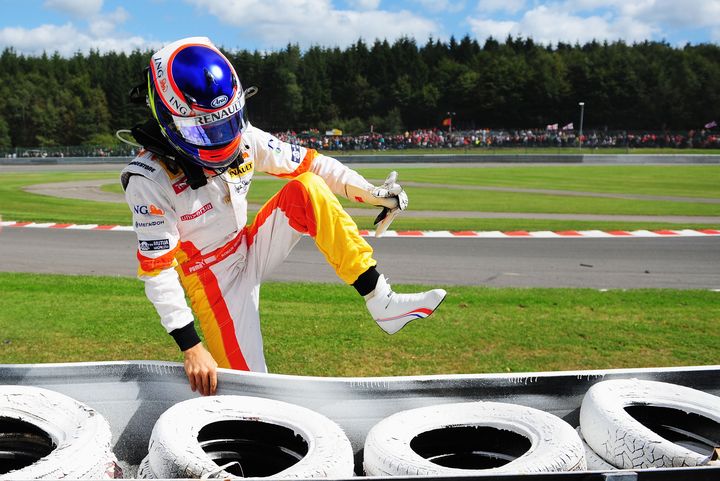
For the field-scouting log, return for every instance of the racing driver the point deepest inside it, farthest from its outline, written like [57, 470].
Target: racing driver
[187, 191]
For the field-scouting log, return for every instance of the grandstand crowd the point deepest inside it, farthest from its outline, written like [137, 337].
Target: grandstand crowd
[440, 139]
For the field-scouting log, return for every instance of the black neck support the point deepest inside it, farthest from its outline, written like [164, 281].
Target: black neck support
[149, 136]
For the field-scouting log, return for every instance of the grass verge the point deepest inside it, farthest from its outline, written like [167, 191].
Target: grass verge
[449, 199]
[688, 181]
[321, 329]
[671, 180]
[18, 205]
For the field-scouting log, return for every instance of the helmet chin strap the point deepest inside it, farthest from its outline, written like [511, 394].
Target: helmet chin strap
[149, 136]
[212, 173]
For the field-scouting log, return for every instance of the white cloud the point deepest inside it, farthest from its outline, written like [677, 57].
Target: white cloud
[672, 13]
[66, 40]
[99, 34]
[552, 23]
[101, 25]
[585, 20]
[482, 28]
[443, 6]
[548, 25]
[120, 15]
[688, 13]
[365, 4]
[37, 40]
[77, 8]
[315, 22]
[663, 17]
[509, 6]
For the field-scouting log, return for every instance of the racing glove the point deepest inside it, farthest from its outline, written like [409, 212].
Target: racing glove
[390, 196]
[394, 195]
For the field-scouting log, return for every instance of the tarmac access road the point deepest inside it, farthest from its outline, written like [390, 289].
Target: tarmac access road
[602, 263]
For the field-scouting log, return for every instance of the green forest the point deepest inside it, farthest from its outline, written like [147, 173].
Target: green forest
[51, 100]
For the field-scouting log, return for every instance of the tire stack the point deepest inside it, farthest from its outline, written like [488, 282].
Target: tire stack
[637, 424]
[240, 436]
[47, 435]
[624, 424]
[476, 438]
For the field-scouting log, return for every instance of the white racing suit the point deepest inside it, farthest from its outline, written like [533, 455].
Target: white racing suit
[197, 242]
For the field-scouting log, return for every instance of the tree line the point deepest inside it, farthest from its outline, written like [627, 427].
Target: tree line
[52, 100]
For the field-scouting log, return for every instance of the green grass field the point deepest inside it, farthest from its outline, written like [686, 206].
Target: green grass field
[672, 180]
[681, 181]
[323, 329]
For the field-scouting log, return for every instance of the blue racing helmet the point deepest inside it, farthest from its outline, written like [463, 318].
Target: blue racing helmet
[196, 97]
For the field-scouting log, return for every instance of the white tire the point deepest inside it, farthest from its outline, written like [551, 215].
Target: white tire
[73, 439]
[546, 443]
[175, 450]
[594, 461]
[626, 443]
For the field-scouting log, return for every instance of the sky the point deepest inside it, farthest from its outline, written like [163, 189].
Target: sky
[32, 27]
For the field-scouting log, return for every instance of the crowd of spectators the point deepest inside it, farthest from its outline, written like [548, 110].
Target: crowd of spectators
[441, 139]
[486, 138]
[121, 150]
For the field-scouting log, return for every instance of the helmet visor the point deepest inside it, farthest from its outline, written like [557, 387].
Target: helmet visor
[212, 129]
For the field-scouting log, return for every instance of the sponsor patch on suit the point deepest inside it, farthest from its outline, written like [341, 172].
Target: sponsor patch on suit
[180, 186]
[154, 245]
[241, 169]
[201, 211]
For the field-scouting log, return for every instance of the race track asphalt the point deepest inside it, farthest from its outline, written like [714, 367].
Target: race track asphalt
[605, 263]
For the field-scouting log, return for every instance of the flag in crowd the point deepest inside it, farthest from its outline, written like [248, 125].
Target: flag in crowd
[710, 125]
[569, 126]
[552, 127]
[447, 122]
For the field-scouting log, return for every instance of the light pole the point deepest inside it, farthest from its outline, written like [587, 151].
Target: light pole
[582, 114]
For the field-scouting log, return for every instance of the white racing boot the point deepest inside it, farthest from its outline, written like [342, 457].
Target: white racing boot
[392, 311]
